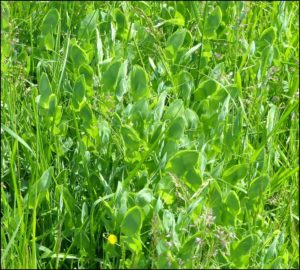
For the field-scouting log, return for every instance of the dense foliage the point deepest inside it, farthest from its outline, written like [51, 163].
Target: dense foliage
[149, 134]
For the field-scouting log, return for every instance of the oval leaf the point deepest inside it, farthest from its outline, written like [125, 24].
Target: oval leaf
[50, 21]
[175, 109]
[258, 186]
[205, 89]
[78, 56]
[79, 89]
[213, 21]
[268, 36]
[132, 222]
[110, 76]
[138, 82]
[183, 161]
[176, 129]
[233, 202]
[175, 41]
[45, 90]
[235, 173]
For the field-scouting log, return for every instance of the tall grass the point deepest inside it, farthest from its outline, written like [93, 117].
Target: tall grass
[150, 134]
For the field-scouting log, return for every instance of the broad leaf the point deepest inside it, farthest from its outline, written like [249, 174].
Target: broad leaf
[45, 90]
[205, 89]
[235, 173]
[175, 41]
[78, 56]
[50, 21]
[233, 202]
[213, 21]
[258, 186]
[79, 89]
[110, 76]
[175, 109]
[138, 82]
[132, 222]
[268, 37]
[176, 129]
[38, 190]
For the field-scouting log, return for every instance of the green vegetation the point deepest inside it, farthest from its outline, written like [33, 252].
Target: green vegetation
[149, 134]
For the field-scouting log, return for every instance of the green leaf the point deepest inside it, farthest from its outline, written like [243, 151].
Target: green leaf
[175, 109]
[132, 222]
[159, 108]
[233, 202]
[78, 56]
[176, 129]
[144, 197]
[184, 81]
[166, 260]
[241, 250]
[84, 212]
[49, 42]
[193, 178]
[140, 110]
[275, 264]
[205, 89]
[79, 89]
[86, 114]
[235, 173]
[99, 47]
[182, 161]
[228, 217]
[238, 81]
[215, 195]
[168, 220]
[130, 137]
[111, 75]
[177, 20]
[88, 73]
[139, 82]
[186, 250]
[213, 21]
[132, 243]
[272, 250]
[45, 90]
[107, 215]
[88, 24]
[50, 21]
[175, 41]
[271, 119]
[258, 186]
[192, 119]
[268, 37]
[170, 147]
[38, 190]
[52, 105]
[267, 58]
[121, 24]
[120, 19]
[17, 137]
[122, 81]
[5, 14]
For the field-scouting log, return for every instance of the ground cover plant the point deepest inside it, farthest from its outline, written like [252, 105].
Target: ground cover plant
[149, 134]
